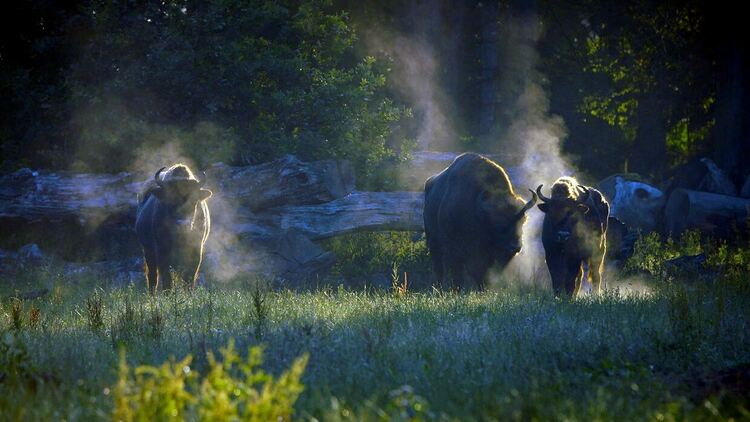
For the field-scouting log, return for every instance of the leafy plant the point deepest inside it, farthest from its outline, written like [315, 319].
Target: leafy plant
[16, 367]
[362, 254]
[650, 252]
[233, 389]
[152, 393]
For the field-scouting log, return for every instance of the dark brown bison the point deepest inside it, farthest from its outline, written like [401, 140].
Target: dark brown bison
[172, 225]
[472, 219]
[574, 235]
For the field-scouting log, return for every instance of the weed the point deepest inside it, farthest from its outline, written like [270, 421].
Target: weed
[156, 322]
[259, 311]
[125, 325]
[57, 295]
[398, 286]
[95, 311]
[16, 313]
[35, 315]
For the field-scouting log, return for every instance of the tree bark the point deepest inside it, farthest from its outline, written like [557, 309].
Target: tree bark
[285, 181]
[357, 212]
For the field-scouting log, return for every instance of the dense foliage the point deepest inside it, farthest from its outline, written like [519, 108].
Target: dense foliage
[360, 255]
[649, 72]
[232, 81]
[641, 86]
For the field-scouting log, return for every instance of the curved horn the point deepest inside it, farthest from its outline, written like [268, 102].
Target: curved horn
[156, 176]
[585, 191]
[541, 196]
[202, 179]
[529, 204]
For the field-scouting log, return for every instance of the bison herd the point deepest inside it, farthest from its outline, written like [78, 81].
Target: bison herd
[473, 221]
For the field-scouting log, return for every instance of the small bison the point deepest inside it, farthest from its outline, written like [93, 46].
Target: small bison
[172, 225]
[472, 219]
[574, 235]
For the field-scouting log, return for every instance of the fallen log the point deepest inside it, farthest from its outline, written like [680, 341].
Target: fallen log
[286, 181]
[632, 201]
[28, 195]
[35, 195]
[711, 213]
[356, 212]
[716, 181]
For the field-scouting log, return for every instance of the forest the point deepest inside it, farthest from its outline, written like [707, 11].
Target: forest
[297, 210]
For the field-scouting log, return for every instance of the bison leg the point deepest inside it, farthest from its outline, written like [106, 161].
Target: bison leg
[165, 276]
[572, 277]
[190, 275]
[557, 272]
[438, 266]
[455, 269]
[477, 269]
[597, 267]
[152, 280]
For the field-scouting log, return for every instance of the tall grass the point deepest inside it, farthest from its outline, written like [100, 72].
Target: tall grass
[374, 355]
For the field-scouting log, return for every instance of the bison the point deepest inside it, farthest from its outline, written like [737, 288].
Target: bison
[172, 225]
[574, 235]
[472, 219]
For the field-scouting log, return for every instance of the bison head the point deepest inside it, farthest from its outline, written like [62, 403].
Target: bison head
[565, 209]
[180, 192]
[504, 221]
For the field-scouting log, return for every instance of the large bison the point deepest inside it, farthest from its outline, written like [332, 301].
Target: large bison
[172, 225]
[574, 235]
[472, 219]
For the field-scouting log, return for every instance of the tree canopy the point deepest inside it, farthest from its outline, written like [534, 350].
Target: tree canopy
[642, 86]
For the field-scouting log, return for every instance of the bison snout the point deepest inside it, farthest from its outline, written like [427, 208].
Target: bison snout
[562, 236]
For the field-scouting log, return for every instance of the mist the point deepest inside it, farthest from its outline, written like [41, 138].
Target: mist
[525, 131]
[534, 135]
[415, 75]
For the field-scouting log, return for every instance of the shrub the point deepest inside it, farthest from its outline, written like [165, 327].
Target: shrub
[361, 254]
[233, 389]
[650, 253]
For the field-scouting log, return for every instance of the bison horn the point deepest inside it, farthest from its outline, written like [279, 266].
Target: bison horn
[585, 191]
[156, 176]
[202, 179]
[541, 196]
[529, 204]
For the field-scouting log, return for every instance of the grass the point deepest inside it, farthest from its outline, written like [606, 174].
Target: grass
[514, 353]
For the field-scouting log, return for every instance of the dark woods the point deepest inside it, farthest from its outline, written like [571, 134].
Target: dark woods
[642, 86]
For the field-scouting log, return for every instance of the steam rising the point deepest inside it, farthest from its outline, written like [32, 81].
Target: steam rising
[533, 134]
[415, 76]
[224, 256]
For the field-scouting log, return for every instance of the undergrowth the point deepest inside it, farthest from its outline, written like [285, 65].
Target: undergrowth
[678, 351]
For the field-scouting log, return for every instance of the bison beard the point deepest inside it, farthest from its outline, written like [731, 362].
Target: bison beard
[172, 225]
[472, 219]
[574, 235]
